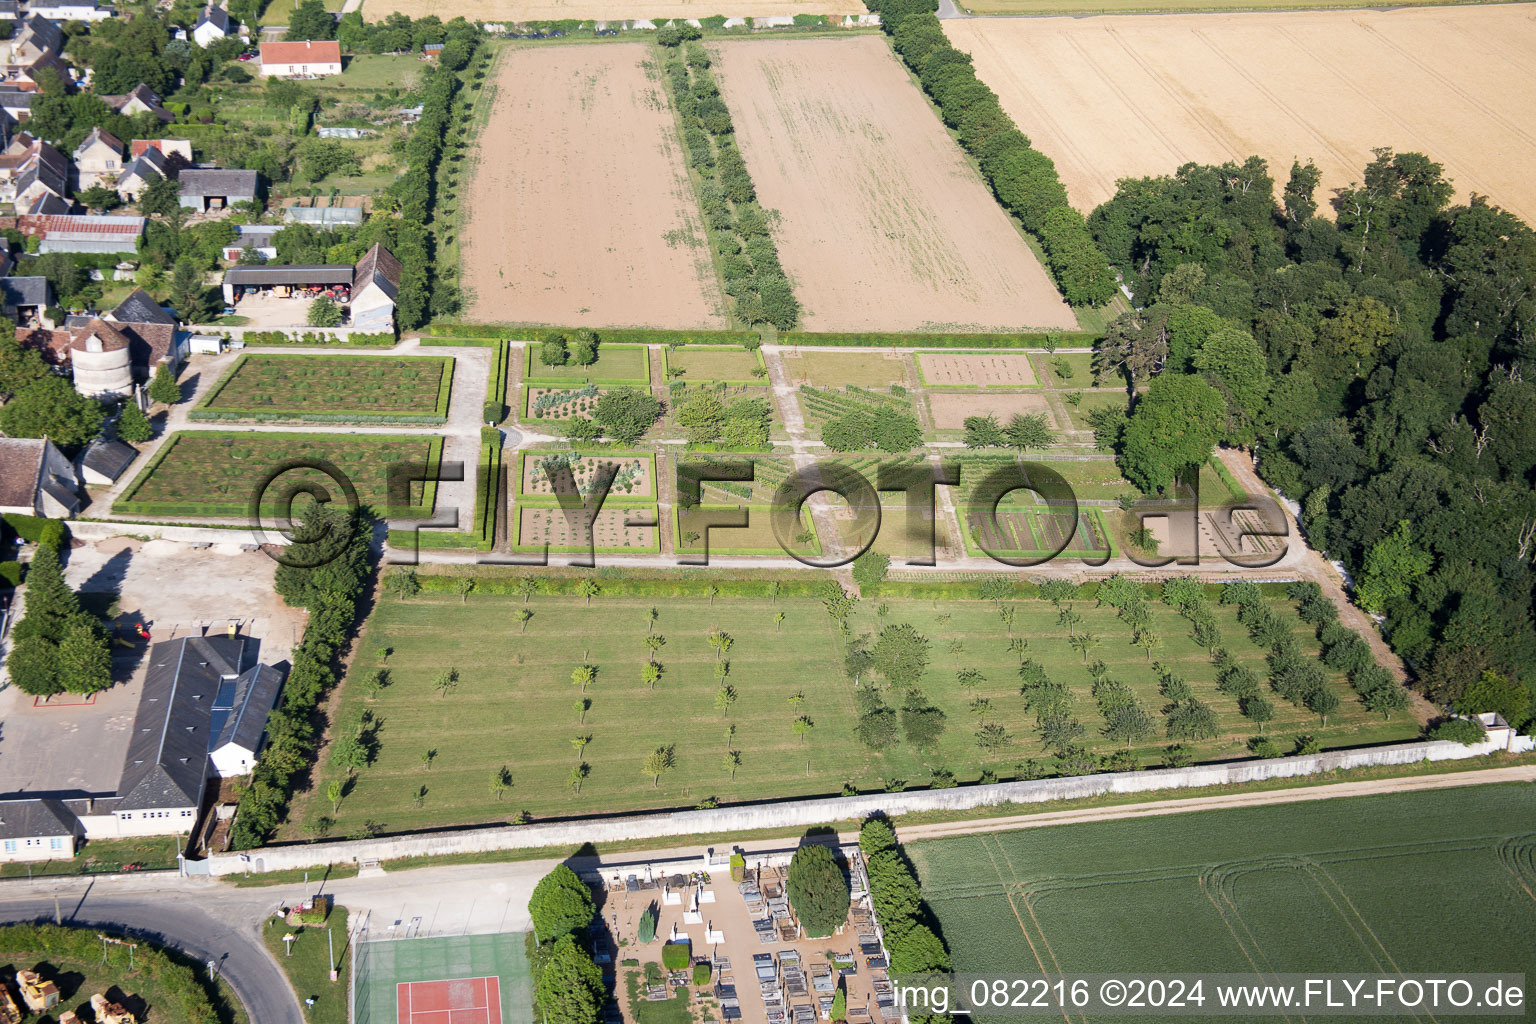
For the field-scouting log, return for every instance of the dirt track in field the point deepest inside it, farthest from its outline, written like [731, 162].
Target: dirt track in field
[1136, 95]
[580, 211]
[603, 10]
[883, 224]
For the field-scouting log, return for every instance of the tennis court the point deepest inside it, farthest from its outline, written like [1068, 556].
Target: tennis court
[463, 979]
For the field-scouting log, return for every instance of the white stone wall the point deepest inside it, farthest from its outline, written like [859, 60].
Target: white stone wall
[805, 813]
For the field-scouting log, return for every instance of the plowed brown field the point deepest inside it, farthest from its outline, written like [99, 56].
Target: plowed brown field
[580, 211]
[1135, 95]
[884, 226]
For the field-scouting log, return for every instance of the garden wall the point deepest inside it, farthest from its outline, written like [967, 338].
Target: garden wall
[805, 813]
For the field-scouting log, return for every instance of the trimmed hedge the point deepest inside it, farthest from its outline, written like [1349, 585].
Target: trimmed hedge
[467, 334]
[269, 338]
[1020, 339]
[38, 530]
[485, 335]
[693, 585]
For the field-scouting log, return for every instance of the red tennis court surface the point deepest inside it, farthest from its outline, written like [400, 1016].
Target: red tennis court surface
[465, 1001]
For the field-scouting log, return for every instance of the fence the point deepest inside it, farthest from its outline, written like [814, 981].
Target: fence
[804, 813]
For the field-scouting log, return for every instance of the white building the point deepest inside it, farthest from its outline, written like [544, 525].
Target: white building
[312, 58]
[71, 10]
[212, 25]
[32, 829]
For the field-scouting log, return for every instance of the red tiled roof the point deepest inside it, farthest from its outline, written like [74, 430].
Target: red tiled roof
[314, 51]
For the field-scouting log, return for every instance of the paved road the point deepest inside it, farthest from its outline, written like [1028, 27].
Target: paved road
[178, 922]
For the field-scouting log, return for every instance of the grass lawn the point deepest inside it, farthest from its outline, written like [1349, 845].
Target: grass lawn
[616, 364]
[330, 388]
[1046, 372]
[147, 852]
[873, 369]
[513, 705]
[1367, 884]
[756, 538]
[1114, 398]
[309, 967]
[641, 1010]
[713, 362]
[79, 979]
[214, 473]
[279, 11]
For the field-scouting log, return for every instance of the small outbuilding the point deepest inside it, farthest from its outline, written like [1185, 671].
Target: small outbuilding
[104, 462]
[217, 189]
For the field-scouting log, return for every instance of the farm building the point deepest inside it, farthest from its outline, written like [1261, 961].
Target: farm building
[217, 189]
[309, 59]
[83, 232]
[213, 24]
[259, 237]
[369, 289]
[25, 298]
[100, 360]
[140, 173]
[72, 10]
[98, 159]
[36, 479]
[324, 216]
[103, 462]
[35, 829]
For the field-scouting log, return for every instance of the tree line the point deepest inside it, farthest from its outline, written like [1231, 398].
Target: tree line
[1023, 179]
[1374, 354]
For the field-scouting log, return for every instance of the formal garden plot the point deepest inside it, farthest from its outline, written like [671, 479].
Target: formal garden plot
[212, 473]
[1310, 886]
[768, 473]
[550, 403]
[564, 530]
[1037, 530]
[756, 538]
[1063, 369]
[951, 408]
[615, 364]
[696, 363]
[976, 369]
[873, 369]
[635, 475]
[332, 388]
[818, 405]
[515, 703]
[1089, 479]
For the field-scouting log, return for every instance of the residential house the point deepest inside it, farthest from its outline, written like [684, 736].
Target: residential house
[142, 171]
[167, 147]
[62, 11]
[104, 462]
[29, 167]
[216, 189]
[33, 829]
[100, 361]
[46, 204]
[375, 289]
[84, 232]
[213, 24]
[138, 100]
[98, 159]
[151, 331]
[36, 479]
[36, 39]
[25, 298]
[17, 105]
[308, 59]
[29, 78]
[10, 10]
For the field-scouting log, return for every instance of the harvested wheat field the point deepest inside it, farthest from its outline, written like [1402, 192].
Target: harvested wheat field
[580, 211]
[950, 408]
[976, 369]
[1130, 96]
[604, 10]
[884, 225]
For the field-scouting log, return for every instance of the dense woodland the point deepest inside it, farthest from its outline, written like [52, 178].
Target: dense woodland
[1371, 347]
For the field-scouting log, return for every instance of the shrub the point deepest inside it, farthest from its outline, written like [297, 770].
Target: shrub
[701, 974]
[10, 574]
[648, 924]
[1466, 731]
[675, 955]
[817, 890]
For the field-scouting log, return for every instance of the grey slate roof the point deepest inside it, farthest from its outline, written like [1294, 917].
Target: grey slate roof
[10, 10]
[218, 17]
[168, 752]
[299, 273]
[34, 818]
[109, 458]
[218, 183]
[24, 291]
[255, 693]
[139, 308]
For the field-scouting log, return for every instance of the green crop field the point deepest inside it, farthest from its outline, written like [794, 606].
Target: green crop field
[616, 364]
[332, 388]
[512, 704]
[213, 473]
[1439, 881]
[714, 362]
